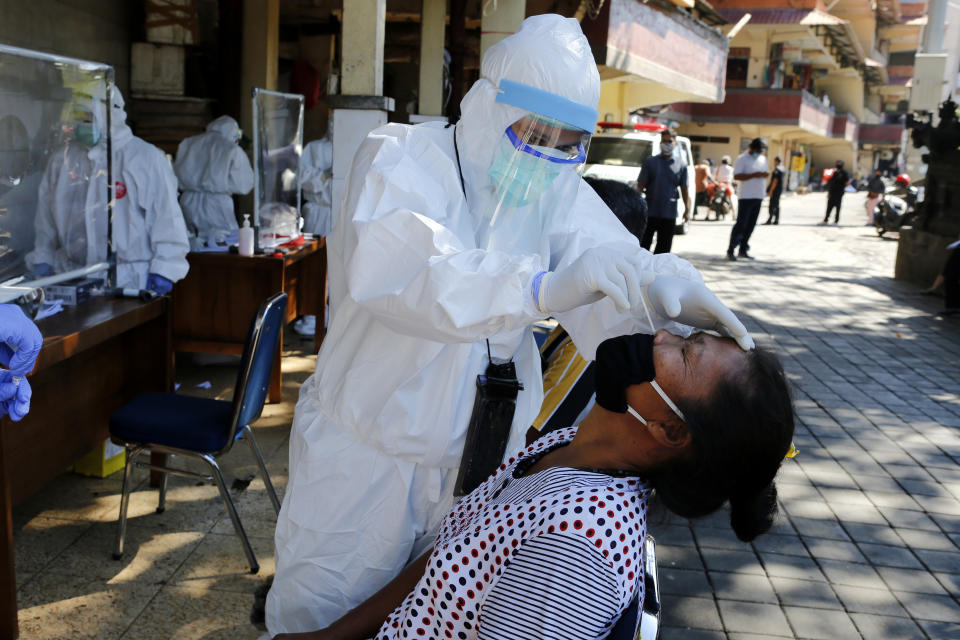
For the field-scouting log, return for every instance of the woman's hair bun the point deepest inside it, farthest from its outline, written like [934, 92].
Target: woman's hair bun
[752, 514]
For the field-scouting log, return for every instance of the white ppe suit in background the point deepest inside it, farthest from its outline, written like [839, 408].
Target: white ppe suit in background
[149, 235]
[379, 428]
[211, 167]
[316, 165]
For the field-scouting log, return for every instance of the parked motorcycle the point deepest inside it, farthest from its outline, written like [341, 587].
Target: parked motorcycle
[897, 208]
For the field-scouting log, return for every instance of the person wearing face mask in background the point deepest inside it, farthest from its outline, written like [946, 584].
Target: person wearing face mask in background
[835, 189]
[752, 171]
[875, 190]
[426, 283]
[660, 178]
[210, 168]
[149, 234]
[774, 190]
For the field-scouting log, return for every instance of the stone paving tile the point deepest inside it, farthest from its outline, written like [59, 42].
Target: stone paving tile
[820, 624]
[753, 616]
[941, 630]
[825, 549]
[930, 607]
[677, 633]
[787, 566]
[878, 627]
[683, 582]
[890, 556]
[877, 599]
[692, 613]
[732, 560]
[911, 580]
[742, 586]
[943, 561]
[805, 593]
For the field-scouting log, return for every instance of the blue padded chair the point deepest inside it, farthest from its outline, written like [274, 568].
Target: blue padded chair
[203, 428]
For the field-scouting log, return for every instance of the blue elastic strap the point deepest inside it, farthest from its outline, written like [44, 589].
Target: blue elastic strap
[519, 145]
[547, 104]
[535, 288]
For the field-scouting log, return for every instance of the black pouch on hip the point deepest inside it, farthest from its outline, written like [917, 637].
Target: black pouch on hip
[489, 428]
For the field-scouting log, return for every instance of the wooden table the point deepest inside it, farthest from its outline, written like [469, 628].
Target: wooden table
[215, 303]
[96, 357]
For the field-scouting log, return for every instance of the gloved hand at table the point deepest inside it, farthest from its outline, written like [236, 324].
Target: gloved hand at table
[595, 274]
[159, 284]
[693, 304]
[42, 270]
[20, 343]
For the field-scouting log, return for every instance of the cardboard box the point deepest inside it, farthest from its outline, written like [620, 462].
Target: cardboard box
[157, 69]
[171, 21]
[72, 292]
[106, 459]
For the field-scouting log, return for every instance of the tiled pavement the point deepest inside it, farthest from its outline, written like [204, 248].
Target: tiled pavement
[866, 547]
[867, 542]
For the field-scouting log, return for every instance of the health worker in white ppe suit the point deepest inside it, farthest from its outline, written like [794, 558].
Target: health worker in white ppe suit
[149, 235]
[316, 165]
[450, 237]
[211, 167]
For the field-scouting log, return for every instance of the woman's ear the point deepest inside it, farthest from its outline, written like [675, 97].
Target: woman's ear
[672, 434]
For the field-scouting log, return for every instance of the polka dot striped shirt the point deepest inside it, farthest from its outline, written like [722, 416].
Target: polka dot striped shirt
[554, 554]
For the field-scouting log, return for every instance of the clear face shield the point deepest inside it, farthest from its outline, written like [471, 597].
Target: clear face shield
[540, 157]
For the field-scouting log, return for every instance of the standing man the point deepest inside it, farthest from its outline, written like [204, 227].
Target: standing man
[703, 172]
[659, 179]
[774, 189]
[835, 186]
[875, 190]
[751, 171]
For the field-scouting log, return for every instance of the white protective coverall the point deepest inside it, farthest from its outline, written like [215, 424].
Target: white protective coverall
[379, 427]
[316, 164]
[149, 235]
[211, 167]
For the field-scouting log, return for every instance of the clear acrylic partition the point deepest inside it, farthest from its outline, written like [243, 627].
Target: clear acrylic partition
[277, 145]
[54, 169]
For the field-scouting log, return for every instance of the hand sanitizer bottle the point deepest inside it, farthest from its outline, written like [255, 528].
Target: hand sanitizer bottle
[246, 237]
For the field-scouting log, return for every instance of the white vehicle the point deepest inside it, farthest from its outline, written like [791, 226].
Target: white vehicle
[619, 155]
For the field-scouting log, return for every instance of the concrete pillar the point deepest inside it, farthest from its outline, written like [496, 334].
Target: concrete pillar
[361, 107]
[933, 30]
[261, 47]
[500, 19]
[364, 23]
[432, 26]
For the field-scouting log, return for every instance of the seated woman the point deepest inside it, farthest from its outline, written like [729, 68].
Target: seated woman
[550, 545]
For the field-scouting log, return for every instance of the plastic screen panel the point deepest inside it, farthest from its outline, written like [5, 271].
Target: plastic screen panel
[277, 147]
[55, 173]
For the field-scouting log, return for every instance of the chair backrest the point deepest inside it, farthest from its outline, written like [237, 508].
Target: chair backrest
[256, 364]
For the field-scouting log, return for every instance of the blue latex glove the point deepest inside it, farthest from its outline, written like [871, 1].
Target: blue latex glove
[15, 395]
[42, 270]
[159, 284]
[20, 340]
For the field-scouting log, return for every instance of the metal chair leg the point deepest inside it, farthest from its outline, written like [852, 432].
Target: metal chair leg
[125, 500]
[255, 448]
[162, 503]
[228, 502]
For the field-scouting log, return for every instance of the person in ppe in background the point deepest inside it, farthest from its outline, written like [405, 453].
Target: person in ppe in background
[20, 343]
[451, 242]
[316, 183]
[149, 234]
[210, 167]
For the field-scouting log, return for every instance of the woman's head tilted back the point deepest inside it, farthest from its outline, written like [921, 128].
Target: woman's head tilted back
[736, 426]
